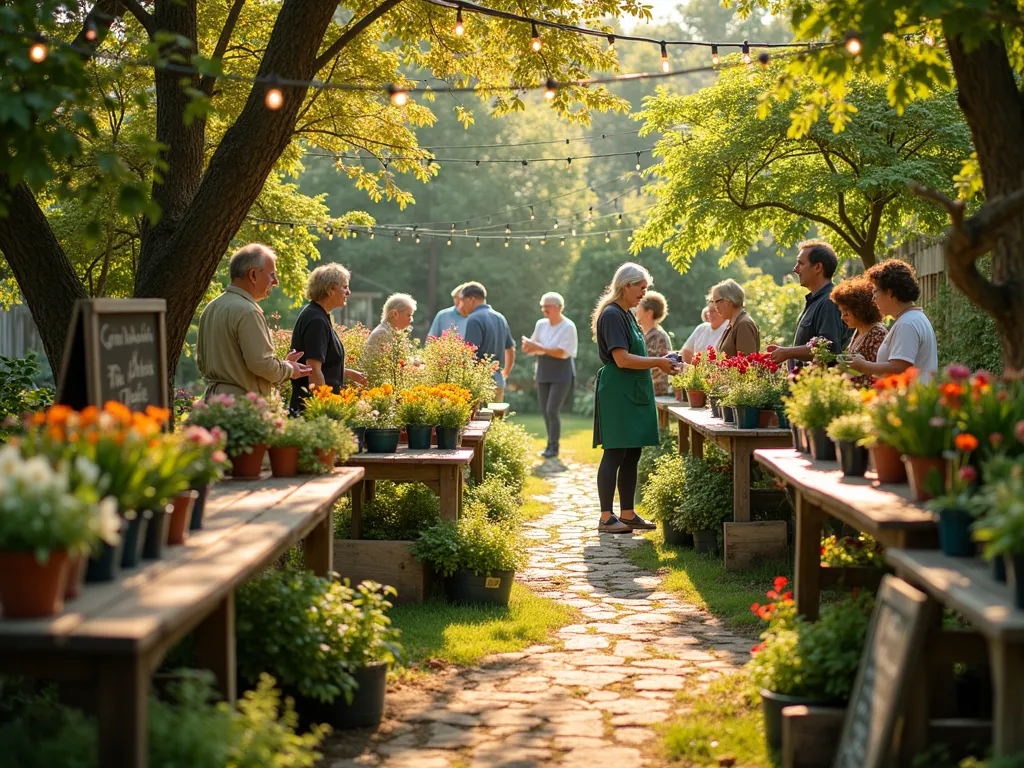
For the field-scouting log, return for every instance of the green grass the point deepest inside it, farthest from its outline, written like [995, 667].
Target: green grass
[723, 722]
[577, 436]
[703, 581]
[463, 634]
[532, 508]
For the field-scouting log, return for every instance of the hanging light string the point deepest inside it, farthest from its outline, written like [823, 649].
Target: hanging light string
[538, 143]
[385, 160]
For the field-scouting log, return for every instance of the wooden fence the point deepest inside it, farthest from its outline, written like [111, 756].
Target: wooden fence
[926, 257]
[18, 332]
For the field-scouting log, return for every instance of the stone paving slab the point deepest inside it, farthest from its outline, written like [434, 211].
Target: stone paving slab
[595, 696]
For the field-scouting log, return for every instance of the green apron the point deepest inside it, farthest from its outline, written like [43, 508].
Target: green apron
[624, 412]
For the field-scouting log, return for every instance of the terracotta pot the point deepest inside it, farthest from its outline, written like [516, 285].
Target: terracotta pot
[888, 464]
[696, 398]
[77, 565]
[326, 458]
[679, 395]
[767, 419]
[919, 469]
[247, 466]
[284, 460]
[30, 589]
[181, 517]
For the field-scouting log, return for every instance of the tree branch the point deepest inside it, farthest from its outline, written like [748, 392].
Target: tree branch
[350, 33]
[144, 17]
[206, 84]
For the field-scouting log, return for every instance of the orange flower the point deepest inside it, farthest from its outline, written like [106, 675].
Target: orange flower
[966, 442]
[159, 415]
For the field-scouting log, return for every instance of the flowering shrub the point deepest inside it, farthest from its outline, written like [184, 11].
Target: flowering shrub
[707, 492]
[751, 380]
[694, 376]
[414, 408]
[987, 407]
[840, 551]
[390, 363]
[448, 359]
[210, 462]
[313, 435]
[248, 420]
[377, 408]
[474, 543]
[919, 417]
[851, 428]
[324, 401]
[821, 350]
[818, 396]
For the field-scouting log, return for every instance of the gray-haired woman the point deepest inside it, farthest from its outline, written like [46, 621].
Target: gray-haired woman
[554, 343]
[314, 335]
[742, 336]
[396, 315]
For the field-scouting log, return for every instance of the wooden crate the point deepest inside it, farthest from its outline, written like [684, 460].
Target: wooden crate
[387, 562]
[746, 543]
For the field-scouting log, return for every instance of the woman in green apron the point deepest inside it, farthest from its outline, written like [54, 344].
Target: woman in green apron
[625, 417]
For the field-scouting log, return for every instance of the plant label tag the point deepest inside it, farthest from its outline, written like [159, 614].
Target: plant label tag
[492, 582]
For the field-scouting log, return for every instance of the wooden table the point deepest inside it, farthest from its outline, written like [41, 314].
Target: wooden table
[441, 470]
[475, 436]
[112, 638]
[966, 586]
[498, 409]
[886, 512]
[663, 402]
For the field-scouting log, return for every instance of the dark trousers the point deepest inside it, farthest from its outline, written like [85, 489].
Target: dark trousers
[551, 396]
[618, 467]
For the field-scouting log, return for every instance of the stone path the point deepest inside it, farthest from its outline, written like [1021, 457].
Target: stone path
[588, 700]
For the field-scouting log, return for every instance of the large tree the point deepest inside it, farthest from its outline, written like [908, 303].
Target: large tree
[912, 46]
[169, 208]
[731, 169]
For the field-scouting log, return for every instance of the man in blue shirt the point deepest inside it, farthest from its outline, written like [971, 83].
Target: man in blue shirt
[450, 318]
[488, 331]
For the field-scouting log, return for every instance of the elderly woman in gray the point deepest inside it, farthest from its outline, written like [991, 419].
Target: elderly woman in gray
[554, 344]
[396, 315]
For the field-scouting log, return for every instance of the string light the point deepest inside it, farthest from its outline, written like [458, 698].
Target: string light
[416, 238]
[590, 214]
[638, 161]
[853, 45]
[527, 245]
[568, 163]
[611, 42]
[606, 238]
[574, 231]
[556, 224]
[532, 216]
[459, 26]
[550, 89]
[37, 52]
[453, 227]
[399, 96]
[561, 242]
[544, 240]
[665, 65]
[449, 241]
[535, 43]
[506, 242]
[274, 99]
[372, 235]
[478, 242]
[714, 56]
[630, 238]
[618, 219]
[508, 230]
[398, 237]
[746, 52]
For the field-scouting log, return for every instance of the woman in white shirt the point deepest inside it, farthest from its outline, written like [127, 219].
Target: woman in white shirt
[707, 334]
[553, 343]
[910, 341]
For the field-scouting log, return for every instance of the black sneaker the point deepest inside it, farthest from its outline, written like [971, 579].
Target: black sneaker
[637, 523]
[613, 525]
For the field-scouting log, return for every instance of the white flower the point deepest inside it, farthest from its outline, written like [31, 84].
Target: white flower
[37, 471]
[108, 522]
[10, 460]
[88, 471]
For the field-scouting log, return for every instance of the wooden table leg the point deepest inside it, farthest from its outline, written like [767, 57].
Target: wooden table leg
[122, 714]
[369, 489]
[740, 481]
[662, 418]
[319, 548]
[477, 464]
[358, 496]
[450, 491]
[1006, 662]
[696, 443]
[683, 441]
[215, 647]
[807, 574]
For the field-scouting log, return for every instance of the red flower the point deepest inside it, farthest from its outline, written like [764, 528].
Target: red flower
[995, 439]
[965, 442]
[1019, 431]
[781, 582]
[968, 474]
[787, 596]
[755, 607]
[756, 649]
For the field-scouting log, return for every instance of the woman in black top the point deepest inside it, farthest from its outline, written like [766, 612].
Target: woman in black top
[314, 336]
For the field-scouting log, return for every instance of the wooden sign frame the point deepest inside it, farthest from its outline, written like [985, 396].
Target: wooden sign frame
[872, 746]
[82, 350]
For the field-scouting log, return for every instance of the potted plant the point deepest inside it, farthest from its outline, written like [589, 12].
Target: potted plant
[951, 498]
[46, 515]
[383, 429]
[693, 380]
[802, 662]
[284, 444]
[886, 459]
[999, 506]
[322, 443]
[340, 406]
[816, 398]
[248, 423]
[450, 410]
[989, 408]
[707, 498]
[416, 413]
[920, 427]
[327, 643]
[208, 465]
[478, 558]
[165, 475]
[850, 432]
[662, 495]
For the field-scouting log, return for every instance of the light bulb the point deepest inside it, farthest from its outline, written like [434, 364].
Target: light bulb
[532, 216]
[853, 46]
[556, 223]
[478, 242]
[638, 161]
[544, 240]
[561, 242]
[574, 231]
[618, 219]
[274, 98]
[550, 89]
[459, 26]
[37, 53]
[665, 65]
[449, 241]
[372, 234]
[590, 214]
[606, 238]
[508, 230]
[527, 245]
[417, 239]
[506, 242]
[611, 41]
[399, 96]
[630, 238]
[746, 52]
[398, 238]
[714, 55]
[535, 43]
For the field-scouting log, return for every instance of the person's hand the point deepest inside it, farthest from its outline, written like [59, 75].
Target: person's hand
[857, 363]
[666, 365]
[357, 377]
[299, 369]
[293, 356]
[779, 354]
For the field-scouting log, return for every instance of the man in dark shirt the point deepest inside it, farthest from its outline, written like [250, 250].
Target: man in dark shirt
[815, 265]
[488, 331]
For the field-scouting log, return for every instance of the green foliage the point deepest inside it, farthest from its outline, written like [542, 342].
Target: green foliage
[919, 422]
[1000, 504]
[313, 435]
[707, 492]
[667, 444]
[312, 633]
[508, 452]
[665, 489]
[398, 512]
[474, 543]
[18, 393]
[818, 396]
[42, 733]
[965, 333]
[841, 551]
[851, 427]
[247, 420]
[774, 307]
[500, 501]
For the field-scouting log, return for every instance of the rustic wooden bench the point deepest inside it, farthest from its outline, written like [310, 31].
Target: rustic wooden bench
[475, 436]
[885, 512]
[441, 470]
[115, 635]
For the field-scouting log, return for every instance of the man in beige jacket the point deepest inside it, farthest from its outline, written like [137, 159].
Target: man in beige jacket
[235, 352]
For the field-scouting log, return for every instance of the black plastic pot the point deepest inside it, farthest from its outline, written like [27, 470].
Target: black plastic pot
[705, 542]
[365, 711]
[198, 508]
[156, 533]
[852, 458]
[772, 705]
[448, 437]
[955, 532]
[360, 433]
[419, 436]
[494, 587]
[105, 563]
[822, 447]
[716, 409]
[998, 569]
[1015, 578]
[134, 537]
[728, 414]
[747, 416]
[676, 538]
[382, 440]
[780, 414]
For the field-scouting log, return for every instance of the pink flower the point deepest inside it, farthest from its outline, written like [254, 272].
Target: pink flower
[958, 372]
[219, 457]
[1019, 431]
[937, 421]
[199, 436]
[252, 397]
[995, 439]
[968, 474]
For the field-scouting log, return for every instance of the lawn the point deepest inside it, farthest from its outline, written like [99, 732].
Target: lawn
[577, 436]
[533, 508]
[703, 581]
[463, 634]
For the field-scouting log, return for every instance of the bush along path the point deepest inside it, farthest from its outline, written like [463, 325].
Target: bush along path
[590, 697]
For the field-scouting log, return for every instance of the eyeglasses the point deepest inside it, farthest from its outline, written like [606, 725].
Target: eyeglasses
[715, 302]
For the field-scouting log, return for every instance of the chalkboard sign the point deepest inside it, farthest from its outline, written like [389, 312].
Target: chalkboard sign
[895, 640]
[116, 350]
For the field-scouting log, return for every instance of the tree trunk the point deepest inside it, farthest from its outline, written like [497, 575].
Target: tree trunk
[988, 96]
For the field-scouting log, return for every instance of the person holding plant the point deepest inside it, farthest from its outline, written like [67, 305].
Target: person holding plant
[705, 335]
[742, 336]
[396, 315]
[625, 417]
[857, 308]
[235, 351]
[554, 343]
[910, 342]
[315, 339]
[652, 310]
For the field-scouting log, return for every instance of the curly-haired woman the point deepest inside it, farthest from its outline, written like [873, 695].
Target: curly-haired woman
[855, 299]
[910, 341]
